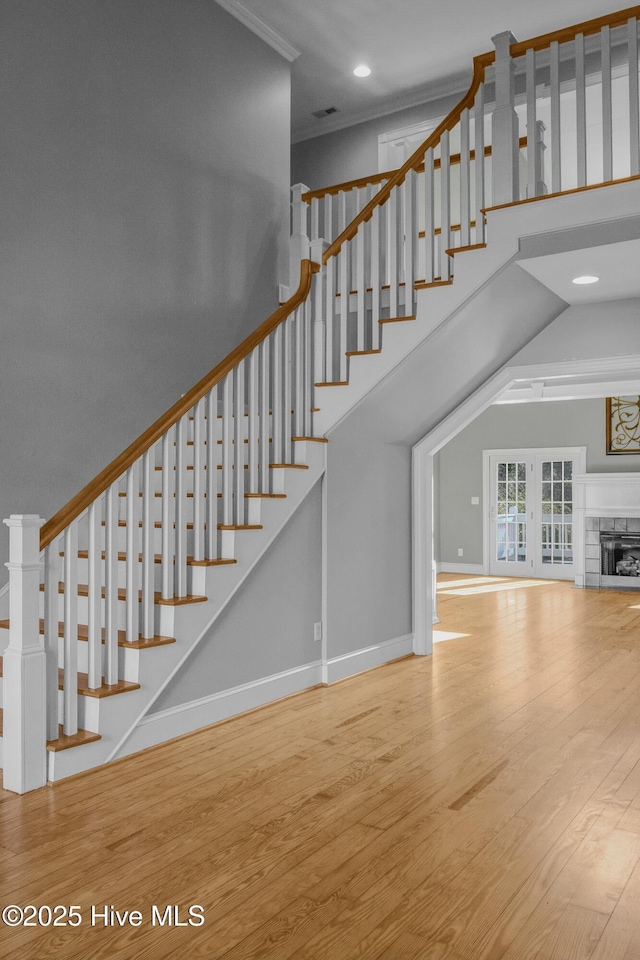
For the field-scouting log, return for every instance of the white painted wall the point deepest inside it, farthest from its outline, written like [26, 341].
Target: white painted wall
[144, 205]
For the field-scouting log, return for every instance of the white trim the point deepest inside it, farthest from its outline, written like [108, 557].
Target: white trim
[260, 28]
[4, 602]
[477, 569]
[349, 664]
[610, 369]
[176, 721]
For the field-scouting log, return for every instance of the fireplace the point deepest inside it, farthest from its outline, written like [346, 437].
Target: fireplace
[619, 556]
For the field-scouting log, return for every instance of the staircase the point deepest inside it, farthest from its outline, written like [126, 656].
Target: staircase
[139, 565]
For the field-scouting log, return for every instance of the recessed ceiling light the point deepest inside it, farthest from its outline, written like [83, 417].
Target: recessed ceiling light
[362, 71]
[585, 279]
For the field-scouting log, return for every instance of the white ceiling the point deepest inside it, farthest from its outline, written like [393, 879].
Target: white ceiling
[417, 49]
[616, 264]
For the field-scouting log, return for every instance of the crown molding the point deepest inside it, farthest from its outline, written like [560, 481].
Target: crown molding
[260, 28]
[431, 92]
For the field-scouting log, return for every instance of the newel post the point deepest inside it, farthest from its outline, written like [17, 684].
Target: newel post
[505, 152]
[24, 663]
[299, 243]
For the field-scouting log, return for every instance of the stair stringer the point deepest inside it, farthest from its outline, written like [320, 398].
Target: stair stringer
[116, 718]
[474, 272]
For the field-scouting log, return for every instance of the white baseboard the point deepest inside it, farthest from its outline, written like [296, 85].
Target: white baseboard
[475, 568]
[351, 663]
[187, 717]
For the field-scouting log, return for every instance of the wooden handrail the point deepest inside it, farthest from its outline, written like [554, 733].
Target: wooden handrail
[53, 527]
[416, 158]
[480, 63]
[586, 28]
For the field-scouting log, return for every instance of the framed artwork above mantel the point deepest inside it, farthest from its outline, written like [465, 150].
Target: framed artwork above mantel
[623, 425]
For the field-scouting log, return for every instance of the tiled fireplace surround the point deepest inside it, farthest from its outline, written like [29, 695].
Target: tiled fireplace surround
[604, 502]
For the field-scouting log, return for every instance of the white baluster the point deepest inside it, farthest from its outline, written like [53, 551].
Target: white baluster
[253, 421]
[111, 517]
[607, 114]
[478, 137]
[277, 382]
[299, 399]
[238, 445]
[265, 420]
[199, 478]
[361, 284]
[344, 260]
[132, 562]
[319, 324]
[504, 125]
[392, 251]
[465, 181]
[94, 601]
[307, 371]
[181, 509]
[24, 663]
[227, 451]
[213, 449]
[328, 231]
[409, 219]
[51, 633]
[445, 206]
[148, 553]
[315, 219]
[556, 145]
[168, 512]
[376, 274]
[288, 387]
[429, 216]
[70, 582]
[634, 98]
[581, 113]
[330, 301]
[530, 73]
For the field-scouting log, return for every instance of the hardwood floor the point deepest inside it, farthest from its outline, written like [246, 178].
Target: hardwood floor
[480, 803]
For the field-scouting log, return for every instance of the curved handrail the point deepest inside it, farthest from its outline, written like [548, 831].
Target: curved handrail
[480, 63]
[53, 527]
[416, 158]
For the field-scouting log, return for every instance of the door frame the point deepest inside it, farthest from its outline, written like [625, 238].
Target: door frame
[577, 454]
[595, 377]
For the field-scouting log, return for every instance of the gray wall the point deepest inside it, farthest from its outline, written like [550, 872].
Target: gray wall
[268, 626]
[598, 330]
[353, 152]
[368, 543]
[144, 210]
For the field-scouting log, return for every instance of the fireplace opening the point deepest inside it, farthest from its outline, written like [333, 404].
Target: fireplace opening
[619, 554]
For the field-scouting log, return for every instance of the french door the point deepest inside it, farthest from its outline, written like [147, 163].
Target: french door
[530, 528]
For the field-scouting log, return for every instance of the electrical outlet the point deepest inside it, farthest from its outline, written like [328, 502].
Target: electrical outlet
[317, 631]
[460, 552]
[475, 501]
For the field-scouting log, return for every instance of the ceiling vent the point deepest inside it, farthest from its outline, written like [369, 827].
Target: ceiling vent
[319, 114]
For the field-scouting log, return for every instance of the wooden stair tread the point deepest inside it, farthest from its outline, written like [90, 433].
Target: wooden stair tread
[361, 353]
[142, 643]
[65, 742]
[239, 526]
[423, 285]
[83, 591]
[178, 601]
[332, 383]
[311, 439]
[395, 319]
[471, 246]
[217, 562]
[289, 466]
[106, 690]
